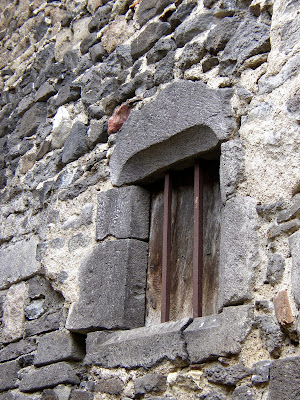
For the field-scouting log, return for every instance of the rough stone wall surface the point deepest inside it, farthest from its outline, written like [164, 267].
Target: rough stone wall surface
[71, 74]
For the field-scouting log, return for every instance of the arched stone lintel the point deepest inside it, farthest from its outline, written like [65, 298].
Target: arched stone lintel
[186, 120]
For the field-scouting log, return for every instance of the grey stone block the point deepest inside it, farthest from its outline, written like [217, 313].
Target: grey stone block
[48, 322]
[218, 37]
[48, 377]
[192, 54]
[148, 37]
[141, 347]
[285, 379]
[18, 262]
[97, 132]
[185, 120]
[238, 250]
[97, 52]
[243, 392]
[261, 372]
[58, 346]
[32, 118]
[160, 50]
[275, 269]
[78, 394]
[76, 143]
[15, 350]
[208, 338]
[164, 69]
[149, 8]
[110, 385]
[45, 92]
[182, 12]
[252, 37]
[232, 170]
[229, 376]
[88, 42]
[271, 333]
[150, 383]
[294, 210]
[9, 375]
[112, 287]
[123, 213]
[192, 27]
[294, 242]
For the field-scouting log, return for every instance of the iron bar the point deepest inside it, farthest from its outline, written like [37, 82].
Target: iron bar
[166, 252]
[198, 241]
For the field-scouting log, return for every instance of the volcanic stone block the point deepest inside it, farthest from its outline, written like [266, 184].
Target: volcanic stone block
[76, 143]
[208, 338]
[8, 375]
[18, 262]
[150, 383]
[45, 92]
[32, 118]
[294, 242]
[138, 347]
[185, 120]
[232, 170]
[123, 213]
[192, 27]
[112, 287]
[218, 37]
[148, 37]
[15, 350]
[252, 37]
[238, 250]
[58, 346]
[285, 379]
[229, 376]
[149, 8]
[47, 377]
[183, 11]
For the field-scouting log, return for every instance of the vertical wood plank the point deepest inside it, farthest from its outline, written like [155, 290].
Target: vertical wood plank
[166, 257]
[198, 241]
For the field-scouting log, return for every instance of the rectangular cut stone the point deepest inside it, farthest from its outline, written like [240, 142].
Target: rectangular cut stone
[18, 262]
[141, 347]
[15, 350]
[112, 287]
[123, 213]
[238, 250]
[58, 346]
[208, 338]
[285, 379]
[47, 377]
[8, 375]
[294, 242]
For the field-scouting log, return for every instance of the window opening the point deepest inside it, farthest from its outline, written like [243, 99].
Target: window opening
[184, 244]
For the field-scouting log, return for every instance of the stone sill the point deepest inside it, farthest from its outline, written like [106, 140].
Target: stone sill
[193, 341]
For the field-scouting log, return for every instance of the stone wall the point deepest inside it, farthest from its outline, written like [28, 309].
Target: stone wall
[188, 79]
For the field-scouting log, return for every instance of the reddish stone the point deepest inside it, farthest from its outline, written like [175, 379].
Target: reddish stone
[282, 308]
[118, 118]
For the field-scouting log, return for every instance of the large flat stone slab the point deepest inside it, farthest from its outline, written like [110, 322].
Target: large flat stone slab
[187, 119]
[141, 347]
[17, 262]
[238, 250]
[47, 377]
[58, 346]
[123, 213]
[208, 338]
[112, 287]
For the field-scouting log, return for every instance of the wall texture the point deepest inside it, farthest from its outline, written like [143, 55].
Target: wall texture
[188, 79]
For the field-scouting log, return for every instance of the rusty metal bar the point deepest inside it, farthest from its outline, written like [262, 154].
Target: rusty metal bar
[198, 241]
[166, 251]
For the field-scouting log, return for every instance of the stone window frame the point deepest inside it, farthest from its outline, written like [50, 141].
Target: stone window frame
[198, 122]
